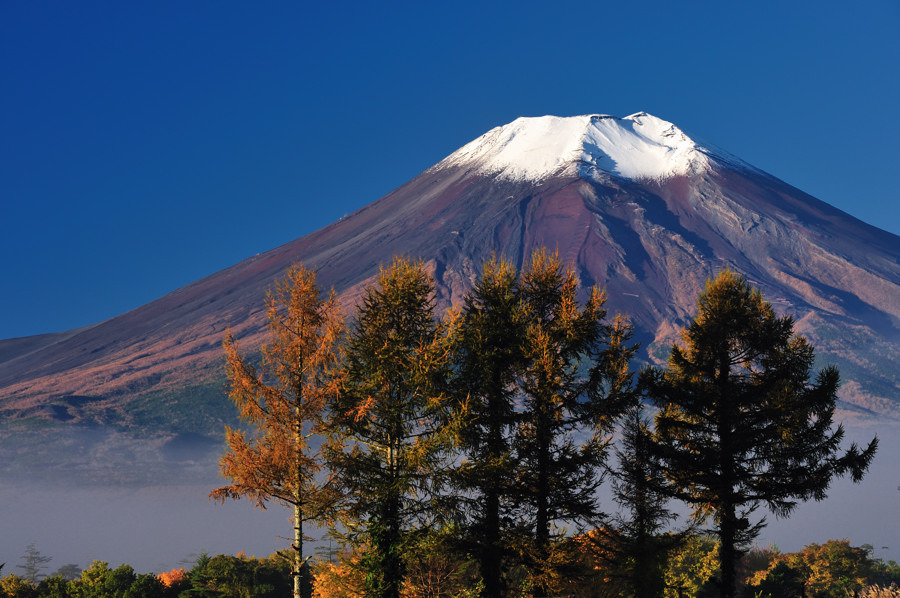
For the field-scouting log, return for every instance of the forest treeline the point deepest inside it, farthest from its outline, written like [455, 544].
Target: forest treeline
[487, 430]
[462, 451]
[834, 569]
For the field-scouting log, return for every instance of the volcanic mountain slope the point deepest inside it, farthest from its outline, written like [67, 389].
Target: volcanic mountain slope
[633, 203]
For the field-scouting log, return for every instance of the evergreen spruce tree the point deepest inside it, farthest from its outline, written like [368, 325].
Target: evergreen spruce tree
[387, 422]
[488, 357]
[574, 385]
[740, 424]
[284, 400]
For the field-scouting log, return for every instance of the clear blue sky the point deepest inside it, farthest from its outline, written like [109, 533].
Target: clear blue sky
[145, 145]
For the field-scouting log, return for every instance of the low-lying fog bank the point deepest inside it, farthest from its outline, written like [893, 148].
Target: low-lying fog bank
[151, 529]
[162, 527]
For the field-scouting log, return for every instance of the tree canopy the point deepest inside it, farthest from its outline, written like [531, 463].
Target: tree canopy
[541, 378]
[488, 356]
[387, 423]
[468, 448]
[283, 399]
[740, 425]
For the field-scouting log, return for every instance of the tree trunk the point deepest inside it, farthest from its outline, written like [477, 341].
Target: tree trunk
[728, 517]
[491, 548]
[393, 565]
[298, 505]
[297, 569]
[728, 554]
[542, 498]
[391, 559]
[491, 558]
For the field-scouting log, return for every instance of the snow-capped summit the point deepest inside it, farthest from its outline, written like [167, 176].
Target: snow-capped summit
[640, 146]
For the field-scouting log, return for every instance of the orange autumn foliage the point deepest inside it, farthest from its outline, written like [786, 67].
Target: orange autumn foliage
[172, 578]
[281, 399]
[594, 545]
[344, 579]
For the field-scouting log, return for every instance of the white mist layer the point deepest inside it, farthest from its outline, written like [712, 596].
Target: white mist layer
[636, 147]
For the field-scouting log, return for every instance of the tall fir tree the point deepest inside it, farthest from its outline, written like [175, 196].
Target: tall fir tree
[387, 423]
[574, 384]
[283, 400]
[740, 425]
[487, 359]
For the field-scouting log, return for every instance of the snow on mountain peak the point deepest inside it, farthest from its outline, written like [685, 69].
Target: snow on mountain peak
[640, 146]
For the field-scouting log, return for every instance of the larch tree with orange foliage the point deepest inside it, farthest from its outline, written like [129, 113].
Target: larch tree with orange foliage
[282, 399]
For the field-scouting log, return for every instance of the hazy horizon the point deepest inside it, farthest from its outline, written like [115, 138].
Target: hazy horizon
[154, 529]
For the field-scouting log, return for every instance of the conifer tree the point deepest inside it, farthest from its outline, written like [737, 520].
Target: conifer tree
[283, 400]
[387, 422]
[574, 386]
[33, 563]
[635, 544]
[488, 357]
[740, 424]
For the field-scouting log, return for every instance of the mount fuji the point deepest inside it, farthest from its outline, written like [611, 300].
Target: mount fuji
[633, 204]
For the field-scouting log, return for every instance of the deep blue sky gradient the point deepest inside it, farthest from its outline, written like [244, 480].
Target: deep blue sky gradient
[145, 145]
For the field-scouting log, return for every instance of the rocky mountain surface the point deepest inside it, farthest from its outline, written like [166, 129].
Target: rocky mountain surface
[633, 203]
